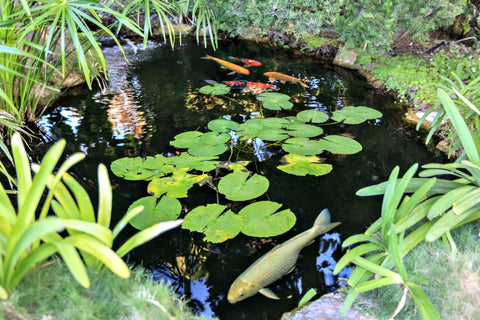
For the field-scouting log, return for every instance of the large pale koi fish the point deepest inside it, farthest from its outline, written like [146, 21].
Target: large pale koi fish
[228, 65]
[283, 77]
[277, 262]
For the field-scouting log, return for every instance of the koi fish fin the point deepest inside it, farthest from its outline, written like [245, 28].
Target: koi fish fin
[207, 57]
[231, 73]
[271, 79]
[304, 85]
[291, 270]
[282, 81]
[269, 294]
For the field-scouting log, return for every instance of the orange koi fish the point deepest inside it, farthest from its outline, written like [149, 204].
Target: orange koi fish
[247, 62]
[228, 65]
[283, 77]
[261, 85]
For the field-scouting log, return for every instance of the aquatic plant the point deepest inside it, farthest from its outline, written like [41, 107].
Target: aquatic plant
[29, 235]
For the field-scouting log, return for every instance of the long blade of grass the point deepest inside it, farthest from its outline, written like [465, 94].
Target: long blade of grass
[85, 206]
[73, 262]
[125, 219]
[466, 202]
[375, 284]
[361, 238]
[415, 215]
[409, 203]
[440, 186]
[358, 251]
[446, 201]
[104, 197]
[93, 229]
[427, 311]
[375, 268]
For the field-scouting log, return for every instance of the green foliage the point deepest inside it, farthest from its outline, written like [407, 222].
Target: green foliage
[28, 236]
[275, 101]
[307, 297]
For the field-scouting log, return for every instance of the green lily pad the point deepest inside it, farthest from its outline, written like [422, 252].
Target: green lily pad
[205, 150]
[176, 186]
[249, 129]
[275, 123]
[214, 222]
[260, 219]
[303, 165]
[141, 168]
[273, 134]
[186, 139]
[340, 144]
[238, 186]
[217, 89]
[184, 160]
[355, 115]
[302, 130]
[272, 96]
[234, 166]
[302, 146]
[314, 116]
[275, 100]
[222, 125]
[212, 138]
[166, 209]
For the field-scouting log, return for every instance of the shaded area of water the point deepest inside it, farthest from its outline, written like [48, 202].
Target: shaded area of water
[156, 97]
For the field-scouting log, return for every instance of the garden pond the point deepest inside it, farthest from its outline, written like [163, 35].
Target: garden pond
[155, 97]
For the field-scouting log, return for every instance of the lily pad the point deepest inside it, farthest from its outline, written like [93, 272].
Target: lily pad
[303, 165]
[273, 134]
[222, 125]
[355, 115]
[212, 138]
[214, 222]
[340, 144]
[314, 116]
[166, 209]
[176, 186]
[205, 150]
[249, 129]
[302, 146]
[238, 186]
[141, 168]
[275, 100]
[184, 160]
[275, 123]
[272, 96]
[302, 130]
[217, 89]
[260, 219]
[186, 139]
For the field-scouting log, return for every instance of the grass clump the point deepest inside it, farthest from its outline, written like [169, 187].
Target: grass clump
[450, 281]
[51, 293]
[312, 41]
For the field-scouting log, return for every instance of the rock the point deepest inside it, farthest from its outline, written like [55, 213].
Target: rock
[347, 59]
[326, 308]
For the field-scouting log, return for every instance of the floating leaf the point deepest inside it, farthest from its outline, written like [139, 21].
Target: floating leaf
[217, 89]
[273, 134]
[260, 219]
[302, 165]
[203, 150]
[275, 100]
[274, 122]
[184, 160]
[238, 186]
[302, 130]
[209, 219]
[141, 169]
[166, 209]
[355, 115]
[340, 144]
[314, 116]
[186, 139]
[212, 138]
[235, 166]
[222, 125]
[302, 146]
[176, 186]
[249, 129]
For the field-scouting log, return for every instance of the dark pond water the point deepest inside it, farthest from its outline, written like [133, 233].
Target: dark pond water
[156, 97]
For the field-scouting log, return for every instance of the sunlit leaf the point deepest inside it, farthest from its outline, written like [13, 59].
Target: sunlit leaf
[340, 144]
[238, 186]
[205, 150]
[222, 125]
[260, 219]
[274, 122]
[249, 129]
[302, 146]
[155, 211]
[303, 165]
[301, 130]
[217, 89]
[314, 116]
[185, 160]
[275, 100]
[140, 168]
[176, 186]
[213, 138]
[355, 115]
[272, 134]
[186, 139]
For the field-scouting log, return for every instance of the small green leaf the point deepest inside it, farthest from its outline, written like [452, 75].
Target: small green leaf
[222, 125]
[355, 115]
[214, 138]
[301, 130]
[217, 89]
[272, 134]
[307, 296]
[176, 186]
[186, 139]
[140, 168]
[260, 219]
[275, 100]
[249, 129]
[340, 144]
[313, 116]
[238, 186]
[166, 209]
[302, 146]
[206, 150]
[303, 165]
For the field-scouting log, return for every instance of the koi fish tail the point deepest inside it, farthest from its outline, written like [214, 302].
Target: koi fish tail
[322, 223]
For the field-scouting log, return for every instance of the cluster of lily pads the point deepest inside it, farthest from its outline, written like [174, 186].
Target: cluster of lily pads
[170, 178]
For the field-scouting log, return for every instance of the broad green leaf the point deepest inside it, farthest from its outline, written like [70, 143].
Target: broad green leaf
[176, 186]
[217, 89]
[441, 186]
[446, 202]
[307, 296]
[238, 186]
[140, 168]
[467, 201]
[340, 144]
[447, 222]
[199, 218]
[409, 203]
[375, 268]
[224, 227]
[273, 134]
[303, 165]
[356, 252]
[355, 115]
[301, 130]
[314, 116]
[186, 161]
[275, 100]
[104, 214]
[207, 150]
[186, 139]
[427, 311]
[95, 230]
[222, 125]
[146, 235]
[302, 146]
[213, 138]
[260, 219]
[274, 122]
[272, 96]
[154, 211]
[73, 262]
[374, 284]
[415, 215]
[249, 129]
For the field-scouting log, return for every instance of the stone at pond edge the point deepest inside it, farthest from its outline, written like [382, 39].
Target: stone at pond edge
[326, 308]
